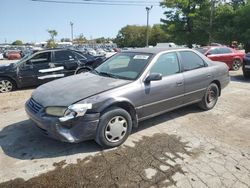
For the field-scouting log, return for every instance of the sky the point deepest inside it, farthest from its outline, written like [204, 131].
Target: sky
[29, 21]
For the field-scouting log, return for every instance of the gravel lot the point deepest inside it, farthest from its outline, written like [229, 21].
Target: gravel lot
[184, 148]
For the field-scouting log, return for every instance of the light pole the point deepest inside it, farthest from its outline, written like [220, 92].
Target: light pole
[71, 25]
[148, 10]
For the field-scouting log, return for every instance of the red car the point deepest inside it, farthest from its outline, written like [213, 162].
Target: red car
[13, 55]
[230, 56]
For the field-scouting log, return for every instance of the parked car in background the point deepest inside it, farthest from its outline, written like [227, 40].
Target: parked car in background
[107, 102]
[1, 56]
[44, 66]
[246, 66]
[14, 55]
[231, 57]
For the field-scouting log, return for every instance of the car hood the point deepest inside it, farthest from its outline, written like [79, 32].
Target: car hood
[66, 91]
[5, 67]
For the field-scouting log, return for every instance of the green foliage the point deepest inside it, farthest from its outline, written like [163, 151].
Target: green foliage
[53, 34]
[17, 42]
[186, 20]
[131, 36]
[158, 35]
[135, 36]
[51, 44]
[65, 40]
[80, 39]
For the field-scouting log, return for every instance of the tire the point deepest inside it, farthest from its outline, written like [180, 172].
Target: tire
[210, 98]
[82, 71]
[246, 74]
[109, 136]
[7, 85]
[236, 64]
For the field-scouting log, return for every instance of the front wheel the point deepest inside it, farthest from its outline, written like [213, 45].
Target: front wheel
[6, 85]
[236, 64]
[210, 98]
[114, 127]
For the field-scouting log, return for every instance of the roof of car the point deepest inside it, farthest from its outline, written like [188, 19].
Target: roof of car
[154, 50]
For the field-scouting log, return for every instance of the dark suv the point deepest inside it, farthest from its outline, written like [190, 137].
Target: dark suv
[246, 66]
[44, 66]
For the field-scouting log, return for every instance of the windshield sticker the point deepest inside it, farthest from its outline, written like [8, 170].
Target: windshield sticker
[141, 57]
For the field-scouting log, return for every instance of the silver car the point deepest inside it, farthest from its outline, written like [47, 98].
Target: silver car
[108, 102]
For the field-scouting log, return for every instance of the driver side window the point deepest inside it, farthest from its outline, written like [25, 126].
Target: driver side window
[166, 64]
[41, 58]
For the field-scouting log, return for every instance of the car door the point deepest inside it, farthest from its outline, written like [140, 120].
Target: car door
[226, 55]
[165, 94]
[213, 54]
[31, 73]
[67, 61]
[197, 76]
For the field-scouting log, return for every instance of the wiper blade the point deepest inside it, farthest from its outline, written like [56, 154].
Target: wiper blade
[94, 71]
[107, 74]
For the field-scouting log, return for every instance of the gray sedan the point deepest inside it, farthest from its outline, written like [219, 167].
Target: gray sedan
[108, 102]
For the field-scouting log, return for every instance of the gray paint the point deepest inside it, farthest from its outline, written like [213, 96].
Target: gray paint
[65, 91]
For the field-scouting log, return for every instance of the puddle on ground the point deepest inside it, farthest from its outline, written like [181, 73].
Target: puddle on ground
[159, 156]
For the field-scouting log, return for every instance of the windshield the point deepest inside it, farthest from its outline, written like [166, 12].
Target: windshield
[127, 66]
[202, 50]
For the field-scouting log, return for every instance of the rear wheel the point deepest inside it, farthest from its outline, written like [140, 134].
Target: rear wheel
[210, 98]
[236, 64]
[6, 85]
[114, 127]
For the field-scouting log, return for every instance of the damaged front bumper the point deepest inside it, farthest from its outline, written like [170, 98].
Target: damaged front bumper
[73, 131]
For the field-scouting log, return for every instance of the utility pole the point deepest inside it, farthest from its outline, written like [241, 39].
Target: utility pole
[148, 10]
[71, 25]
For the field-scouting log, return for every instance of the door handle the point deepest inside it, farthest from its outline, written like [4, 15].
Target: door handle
[179, 84]
[209, 75]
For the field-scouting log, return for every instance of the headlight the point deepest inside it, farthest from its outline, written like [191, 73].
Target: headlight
[75, 110]
[55, 111]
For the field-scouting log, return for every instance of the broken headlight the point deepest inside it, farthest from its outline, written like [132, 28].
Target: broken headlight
[75, 110]
[55, 111]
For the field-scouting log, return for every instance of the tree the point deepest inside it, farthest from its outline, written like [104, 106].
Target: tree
[53, 34]
[51, 44]
[17, 42]
[65, 40]
[131, 36]
[80, 39]
[187, 20]
[158, 35]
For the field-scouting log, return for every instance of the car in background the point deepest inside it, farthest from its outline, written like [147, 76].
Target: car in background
[231, 57]
[44, 66]
[1, 56]
[14, 55]
[246, 66]
[106, 103]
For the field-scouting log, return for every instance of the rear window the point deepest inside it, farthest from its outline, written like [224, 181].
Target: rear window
[202, 50]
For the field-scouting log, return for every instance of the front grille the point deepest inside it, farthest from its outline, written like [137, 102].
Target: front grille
[34, 106]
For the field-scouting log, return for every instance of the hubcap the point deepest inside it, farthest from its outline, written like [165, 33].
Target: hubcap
[116, 129]
[236, 65]
[5, 86]
[211, 96]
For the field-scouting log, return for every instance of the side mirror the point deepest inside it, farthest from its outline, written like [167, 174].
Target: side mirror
[207, 54]
[153, 77]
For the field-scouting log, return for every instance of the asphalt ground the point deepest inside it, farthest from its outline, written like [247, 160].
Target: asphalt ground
[187, 147]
